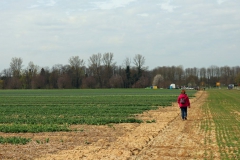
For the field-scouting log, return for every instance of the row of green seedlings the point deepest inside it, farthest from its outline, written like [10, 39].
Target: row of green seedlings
[19, 140]
[28, 128]
[23, 141]
[76, 115]
[136, 100]
[14, 140]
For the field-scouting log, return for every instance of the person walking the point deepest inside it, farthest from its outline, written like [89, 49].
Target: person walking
[184, 103]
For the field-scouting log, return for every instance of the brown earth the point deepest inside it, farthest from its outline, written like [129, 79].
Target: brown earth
[167, 137]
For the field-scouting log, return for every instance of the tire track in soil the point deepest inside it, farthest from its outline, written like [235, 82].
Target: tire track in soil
[168, 138]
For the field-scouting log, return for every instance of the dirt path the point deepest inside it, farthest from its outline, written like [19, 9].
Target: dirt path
[168, 138]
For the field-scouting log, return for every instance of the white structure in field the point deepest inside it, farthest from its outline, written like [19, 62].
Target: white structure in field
[172, 86]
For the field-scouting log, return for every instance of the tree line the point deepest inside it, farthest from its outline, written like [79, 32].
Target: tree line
[103, 72]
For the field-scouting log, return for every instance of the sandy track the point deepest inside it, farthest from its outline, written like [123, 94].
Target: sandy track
[168, 138]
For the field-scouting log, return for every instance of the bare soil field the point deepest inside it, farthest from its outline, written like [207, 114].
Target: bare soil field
[167, 137]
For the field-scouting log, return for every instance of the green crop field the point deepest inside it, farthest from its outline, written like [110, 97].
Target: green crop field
[222, 118]
[55, 110]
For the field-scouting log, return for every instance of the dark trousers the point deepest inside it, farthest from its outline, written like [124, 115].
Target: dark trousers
[184, 112]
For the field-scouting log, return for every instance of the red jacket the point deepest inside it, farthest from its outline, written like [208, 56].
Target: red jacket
[187, 102]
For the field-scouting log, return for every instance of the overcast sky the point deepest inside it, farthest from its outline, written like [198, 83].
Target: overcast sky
[191, 33]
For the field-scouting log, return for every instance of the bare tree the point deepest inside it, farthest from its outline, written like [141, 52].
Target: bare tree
[227, 76]
[179, 76]
[213, 74]
[108, 59]
[108, 66]
[6, 73]
[34, 69]
[192, 72]
[16, 66]
[139, 61]
[77, 66]
[56, 72]
[95, 62]
[29, 74]
[192, 77]
[76, 62]
[127, 62]
[44, 75]
[6, 76]
[95, 67]
[127, 74]
[203, 77]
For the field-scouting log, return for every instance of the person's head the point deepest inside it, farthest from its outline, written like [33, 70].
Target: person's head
[183, 91]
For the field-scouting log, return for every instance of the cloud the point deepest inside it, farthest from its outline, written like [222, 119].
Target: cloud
[43, 3]
[111, 4]
[50, 3]
[221, 1]
[143, 14]
[33, 6]
[167, 6]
